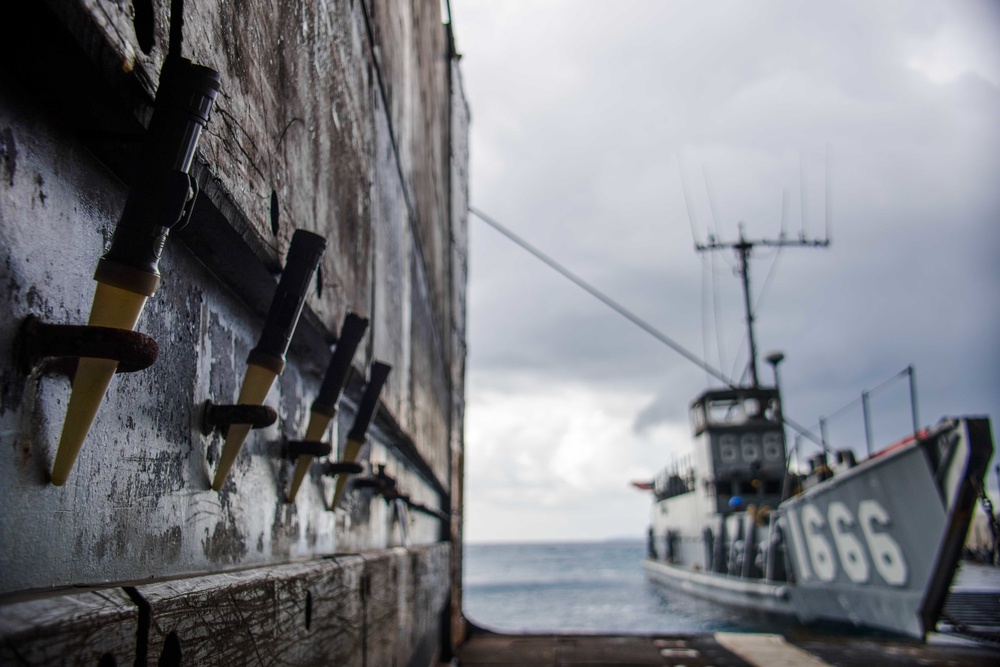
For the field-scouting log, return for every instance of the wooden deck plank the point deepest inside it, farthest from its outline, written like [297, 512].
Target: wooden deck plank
[75, 629]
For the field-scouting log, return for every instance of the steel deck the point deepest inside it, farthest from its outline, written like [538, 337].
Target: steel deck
[485, 649]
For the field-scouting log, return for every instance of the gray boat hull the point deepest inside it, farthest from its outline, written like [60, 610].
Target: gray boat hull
[772, 598]
[875, 545]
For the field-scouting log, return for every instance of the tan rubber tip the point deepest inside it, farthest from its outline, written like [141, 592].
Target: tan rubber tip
[256, 383]
[112, 307]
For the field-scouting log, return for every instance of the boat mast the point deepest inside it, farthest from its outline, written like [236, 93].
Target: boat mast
[743, 253]
[743, 247]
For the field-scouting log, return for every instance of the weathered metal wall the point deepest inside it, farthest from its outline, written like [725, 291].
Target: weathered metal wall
[345, 118]
[460, 118]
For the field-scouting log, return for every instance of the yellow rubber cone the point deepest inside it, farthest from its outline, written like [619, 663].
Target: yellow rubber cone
[318, 422]
[256, 383]
[351, 451]
[112, 307]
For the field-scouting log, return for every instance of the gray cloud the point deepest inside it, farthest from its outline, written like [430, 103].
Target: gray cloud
[585, 113]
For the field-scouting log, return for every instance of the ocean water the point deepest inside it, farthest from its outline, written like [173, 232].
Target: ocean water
[588, 587]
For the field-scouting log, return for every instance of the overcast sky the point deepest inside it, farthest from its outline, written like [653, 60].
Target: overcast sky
[586, 115]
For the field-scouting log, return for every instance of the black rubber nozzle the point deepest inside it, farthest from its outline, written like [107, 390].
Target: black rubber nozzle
[351, 333]
[162, 191]
[286, 306]
[369, 401]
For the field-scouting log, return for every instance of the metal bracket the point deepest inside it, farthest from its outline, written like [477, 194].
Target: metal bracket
[341, 468]
[220, 417]
[424, 509]
[383, 484]
[38, 340]
[296, 448]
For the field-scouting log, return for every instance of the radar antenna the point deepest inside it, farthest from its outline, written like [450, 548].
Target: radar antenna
[743, 248]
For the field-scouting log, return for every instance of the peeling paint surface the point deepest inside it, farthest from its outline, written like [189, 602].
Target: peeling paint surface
[313, 114]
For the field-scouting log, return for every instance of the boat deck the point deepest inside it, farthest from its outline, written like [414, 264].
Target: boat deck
[485, 649]
[973, 605]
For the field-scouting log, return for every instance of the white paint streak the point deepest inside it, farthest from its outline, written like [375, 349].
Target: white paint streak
[767, 650]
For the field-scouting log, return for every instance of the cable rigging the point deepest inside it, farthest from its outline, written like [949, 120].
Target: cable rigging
[602, 297]
[742, 247]
[627, 314]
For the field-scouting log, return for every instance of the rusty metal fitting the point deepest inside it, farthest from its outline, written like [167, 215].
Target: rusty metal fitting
[341, 468]
[383, 484]
[296, 448]
[38, 340]
[220, 417]
[424, 509]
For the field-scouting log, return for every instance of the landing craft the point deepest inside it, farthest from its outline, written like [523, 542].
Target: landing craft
[874, 544]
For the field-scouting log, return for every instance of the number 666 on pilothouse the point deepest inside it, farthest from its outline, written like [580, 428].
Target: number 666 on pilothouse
[876, 545]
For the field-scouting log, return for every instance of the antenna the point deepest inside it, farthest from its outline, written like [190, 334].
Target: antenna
[711, 199]
[744, 247]
[802, 193]
[784, 214]
[828, 200]
[692, 219]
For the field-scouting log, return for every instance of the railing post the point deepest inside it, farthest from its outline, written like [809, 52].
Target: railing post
[868, 422]
[786, 483]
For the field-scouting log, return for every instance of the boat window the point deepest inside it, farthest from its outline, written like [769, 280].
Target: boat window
[734, 410]
[725, 411]
[697, 418]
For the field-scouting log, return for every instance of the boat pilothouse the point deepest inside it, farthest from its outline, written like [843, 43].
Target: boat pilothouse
[712, 505]
[740, 435]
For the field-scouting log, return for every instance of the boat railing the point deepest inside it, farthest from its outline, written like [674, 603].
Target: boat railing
[676, 479]
[837, 435]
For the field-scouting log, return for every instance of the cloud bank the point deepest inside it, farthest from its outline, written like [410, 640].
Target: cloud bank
[586, 115]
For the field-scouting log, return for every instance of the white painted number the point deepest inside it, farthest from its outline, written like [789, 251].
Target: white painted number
[886, 554]
[727, 448]
[772, 446]
[799, 546]
[814, 554]
[849, 549]
[817, 544]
